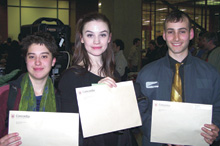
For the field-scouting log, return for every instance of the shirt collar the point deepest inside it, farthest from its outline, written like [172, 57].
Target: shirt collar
[173, 61]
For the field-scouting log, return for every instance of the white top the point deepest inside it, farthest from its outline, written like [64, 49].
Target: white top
[120, 62]
[133, 55]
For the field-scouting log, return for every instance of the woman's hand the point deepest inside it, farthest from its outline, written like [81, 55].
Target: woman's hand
[210, 133]
[9, 139]
[108, 81]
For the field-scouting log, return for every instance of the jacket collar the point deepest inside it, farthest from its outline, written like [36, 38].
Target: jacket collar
[17, 82]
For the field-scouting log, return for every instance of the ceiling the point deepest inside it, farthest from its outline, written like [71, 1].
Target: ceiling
[184, 5]
[195, 8]
[188, 2]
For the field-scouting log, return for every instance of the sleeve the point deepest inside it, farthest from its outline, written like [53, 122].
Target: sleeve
[4, 91]
[131, 54]
[216, 105]
[66, 92]
[120, 68]
[214, 59]
[144, 107]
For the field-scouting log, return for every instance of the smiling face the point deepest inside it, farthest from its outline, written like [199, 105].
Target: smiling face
[39, 61]
[151, 46]
[177, 36]
[95, 36]
[116, 48]
[201, 42]
[206, 43]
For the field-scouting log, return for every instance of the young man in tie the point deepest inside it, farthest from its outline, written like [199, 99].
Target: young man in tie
[179, 77]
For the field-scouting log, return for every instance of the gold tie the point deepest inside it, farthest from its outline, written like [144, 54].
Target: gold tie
[176, 93]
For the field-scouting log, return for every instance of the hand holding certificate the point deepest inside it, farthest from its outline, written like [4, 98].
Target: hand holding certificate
[45, 128]
[179, 123]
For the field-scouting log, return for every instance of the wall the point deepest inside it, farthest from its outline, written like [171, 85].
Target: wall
[72, 19]
[78, 9]
[3, 18]
[125, 16]
[25, 12]
[85, 6]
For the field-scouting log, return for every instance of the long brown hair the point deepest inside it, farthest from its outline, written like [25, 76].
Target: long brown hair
[80, 53]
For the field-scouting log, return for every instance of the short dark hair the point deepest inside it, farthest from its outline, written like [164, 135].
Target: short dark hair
[9, 40]
[119, 43]
[201, 33]
[41, 38]
[152, 42]
[177, 16]
[160, 40]
[211, 36]
[20, 37]
[135, 40]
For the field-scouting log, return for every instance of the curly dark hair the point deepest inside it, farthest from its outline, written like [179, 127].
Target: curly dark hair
[42, 38]
[120, 43]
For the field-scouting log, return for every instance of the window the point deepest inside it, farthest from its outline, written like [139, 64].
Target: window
[25, 12]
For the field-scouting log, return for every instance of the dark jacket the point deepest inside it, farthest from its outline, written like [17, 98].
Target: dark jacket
[4, 91]
[201, 85]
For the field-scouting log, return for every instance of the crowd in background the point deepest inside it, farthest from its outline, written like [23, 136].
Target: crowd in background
[202, 47]
[106, 63]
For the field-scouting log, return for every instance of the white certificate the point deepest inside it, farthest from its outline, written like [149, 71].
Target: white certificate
[179, 123]
[45, 128]
[103, 109]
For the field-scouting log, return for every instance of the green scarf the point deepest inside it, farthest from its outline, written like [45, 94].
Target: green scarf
[28, 99]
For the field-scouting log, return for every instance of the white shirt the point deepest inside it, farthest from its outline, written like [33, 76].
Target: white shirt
[120, 62]
[133, 55]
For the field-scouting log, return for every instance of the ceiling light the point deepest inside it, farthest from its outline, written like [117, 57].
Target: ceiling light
[161, 9]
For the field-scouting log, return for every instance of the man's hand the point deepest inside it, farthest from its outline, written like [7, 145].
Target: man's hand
[210, 133]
